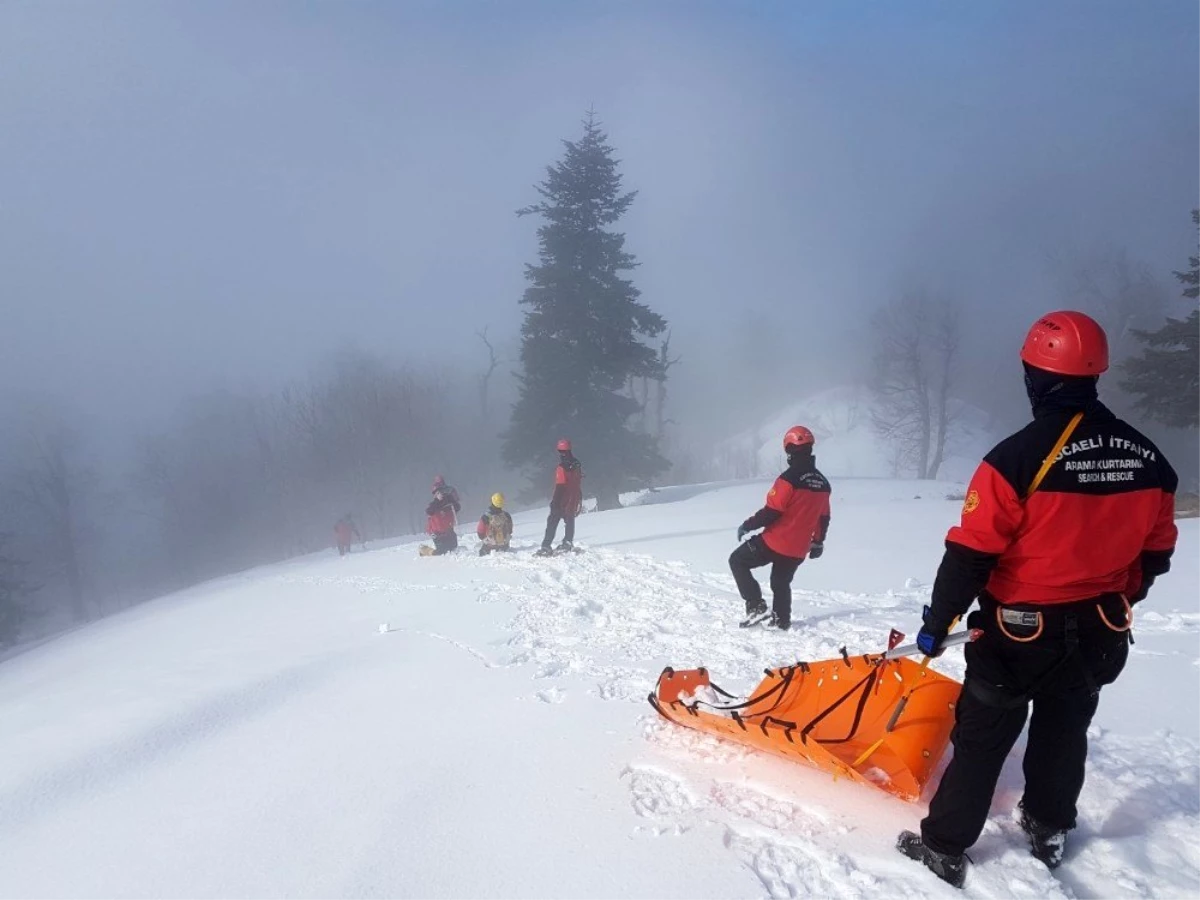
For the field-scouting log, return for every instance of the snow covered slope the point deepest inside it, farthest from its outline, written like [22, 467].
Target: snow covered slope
[259, 735]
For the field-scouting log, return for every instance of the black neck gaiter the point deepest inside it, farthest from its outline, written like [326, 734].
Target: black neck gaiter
[1050, 393]
[802, 459]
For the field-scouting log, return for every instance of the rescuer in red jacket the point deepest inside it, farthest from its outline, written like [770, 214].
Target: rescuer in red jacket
[442, 516]
[566, 502]
[1065, 526]
[794, 522]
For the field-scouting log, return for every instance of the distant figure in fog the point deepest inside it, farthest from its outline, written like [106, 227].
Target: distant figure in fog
[344, 532]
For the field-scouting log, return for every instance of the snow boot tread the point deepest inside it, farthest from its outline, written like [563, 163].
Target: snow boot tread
[951, 869]
[756, 617]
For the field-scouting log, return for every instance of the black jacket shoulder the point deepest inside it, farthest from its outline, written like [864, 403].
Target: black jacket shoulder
[1101, 443]
[807, 480]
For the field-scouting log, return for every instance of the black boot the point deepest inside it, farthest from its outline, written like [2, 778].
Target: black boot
[1045, 843]
[778, 623]
[951, 869]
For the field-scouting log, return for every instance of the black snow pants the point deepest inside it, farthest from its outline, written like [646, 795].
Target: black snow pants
[752, 554]
[444, 542]
[556, 516]
[1058, 670]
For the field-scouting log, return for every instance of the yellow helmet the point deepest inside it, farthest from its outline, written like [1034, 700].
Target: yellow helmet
[498, 500]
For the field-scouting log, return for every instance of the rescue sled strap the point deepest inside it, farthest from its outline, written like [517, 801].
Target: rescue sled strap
[720, 690]
[780, 688]
[863, 685]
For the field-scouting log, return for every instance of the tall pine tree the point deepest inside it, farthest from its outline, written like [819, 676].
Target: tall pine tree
[1165, 376]
[582, 338]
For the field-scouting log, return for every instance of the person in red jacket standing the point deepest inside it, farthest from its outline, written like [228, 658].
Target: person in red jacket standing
[442, 517]
[1065, 526]
[794, 522]
[566, 502]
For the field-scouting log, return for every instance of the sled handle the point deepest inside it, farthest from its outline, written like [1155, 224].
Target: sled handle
[954, 640]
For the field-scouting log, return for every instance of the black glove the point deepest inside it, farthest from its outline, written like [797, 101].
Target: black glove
[931, 635]
[816, 549]
[742, 531]
[1143, 590]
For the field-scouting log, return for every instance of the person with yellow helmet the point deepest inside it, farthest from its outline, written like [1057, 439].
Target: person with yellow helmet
[495, 527]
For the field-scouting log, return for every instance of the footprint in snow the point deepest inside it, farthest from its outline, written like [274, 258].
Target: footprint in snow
[658, 795]
[773, 812]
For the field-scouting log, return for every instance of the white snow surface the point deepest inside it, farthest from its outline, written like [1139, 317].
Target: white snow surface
[261, 735]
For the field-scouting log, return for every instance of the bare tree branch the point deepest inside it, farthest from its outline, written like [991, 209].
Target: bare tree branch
[916, 341]
[485, 379]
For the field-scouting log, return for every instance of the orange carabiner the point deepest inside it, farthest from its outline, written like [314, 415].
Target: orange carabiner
[1128, 616]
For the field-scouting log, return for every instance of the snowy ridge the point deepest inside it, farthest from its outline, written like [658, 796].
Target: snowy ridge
[388, 725]
[847, 445]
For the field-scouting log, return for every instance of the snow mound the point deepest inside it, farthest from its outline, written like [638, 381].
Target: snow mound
[847, 445]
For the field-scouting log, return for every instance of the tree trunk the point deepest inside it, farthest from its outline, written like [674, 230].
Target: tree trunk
[947, 347]
[924, 423]
[943, 425]
[939, 451]
[660, 390]
[75, 584]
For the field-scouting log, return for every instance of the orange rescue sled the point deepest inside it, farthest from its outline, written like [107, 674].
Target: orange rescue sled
[832, 714]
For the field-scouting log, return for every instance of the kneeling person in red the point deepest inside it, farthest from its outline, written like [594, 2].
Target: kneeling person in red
[794, 522]
[1065, 525]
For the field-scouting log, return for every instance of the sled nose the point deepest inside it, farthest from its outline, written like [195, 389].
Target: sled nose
[671, 683]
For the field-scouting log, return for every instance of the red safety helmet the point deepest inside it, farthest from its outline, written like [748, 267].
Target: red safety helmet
[798, 436]
[564, 446]
[1066, 343]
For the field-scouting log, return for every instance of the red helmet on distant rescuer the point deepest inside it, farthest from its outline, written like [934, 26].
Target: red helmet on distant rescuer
[798, 436]
[1066, 343]
[564, 446]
